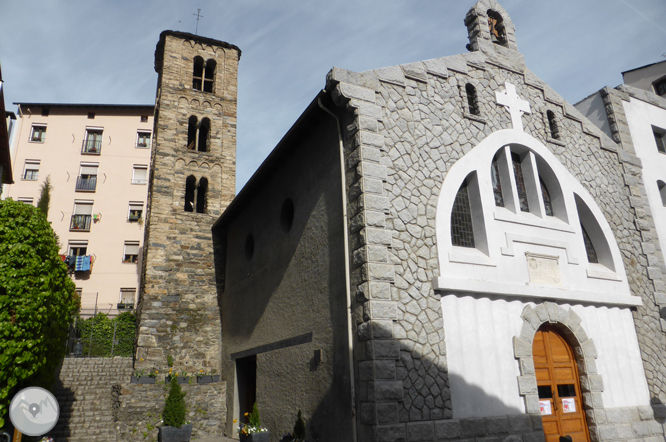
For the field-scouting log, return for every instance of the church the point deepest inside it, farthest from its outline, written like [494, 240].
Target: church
[444, 250]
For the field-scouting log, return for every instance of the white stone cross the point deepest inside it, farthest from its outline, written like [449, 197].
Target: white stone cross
[514, 104]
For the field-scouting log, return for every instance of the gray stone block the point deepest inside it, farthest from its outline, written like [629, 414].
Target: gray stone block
[527, 384]
[387, 412]
[520, 423]
[391, 74]
[534, 436]
[473, 427]
[385, 391]
[383, 349]
[641, 429]
[391, 433]
[420, 431]
[436, 66]
[607, 432]
[645, 412]
[447, 429]
[497, 425]
[630, 414]
[521, 348]
[624, 431]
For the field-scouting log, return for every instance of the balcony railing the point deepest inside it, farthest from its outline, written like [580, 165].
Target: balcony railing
[92, 147]
[86, 184]
[80, 222]
[125, 306]
[139, 181]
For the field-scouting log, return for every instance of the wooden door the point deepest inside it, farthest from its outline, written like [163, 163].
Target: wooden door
[559, 387]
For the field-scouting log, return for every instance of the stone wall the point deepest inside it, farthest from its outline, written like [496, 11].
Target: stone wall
[85, 394]
[409, 124]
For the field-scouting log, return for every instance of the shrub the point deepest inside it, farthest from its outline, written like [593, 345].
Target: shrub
[102, 334]
[253, 419]
[38, 301]
[174, 407]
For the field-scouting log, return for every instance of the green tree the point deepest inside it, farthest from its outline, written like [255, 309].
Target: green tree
[174, 406]
[45, 196]
[38, 301]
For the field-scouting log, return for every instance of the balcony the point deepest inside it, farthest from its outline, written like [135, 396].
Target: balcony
[92, 147]
[80, 222]
[125, 306]
[139, 181]
[86, 183]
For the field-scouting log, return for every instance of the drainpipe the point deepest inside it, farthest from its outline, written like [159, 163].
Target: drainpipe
[345, 233]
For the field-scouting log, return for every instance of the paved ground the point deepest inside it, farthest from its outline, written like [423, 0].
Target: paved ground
[215, 439]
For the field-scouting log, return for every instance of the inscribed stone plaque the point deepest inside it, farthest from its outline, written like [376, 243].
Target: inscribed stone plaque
[543, 269]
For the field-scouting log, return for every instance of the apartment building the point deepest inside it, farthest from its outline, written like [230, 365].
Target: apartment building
[97, 159]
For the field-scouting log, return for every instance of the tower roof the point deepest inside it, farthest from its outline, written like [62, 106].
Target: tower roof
[187, 36]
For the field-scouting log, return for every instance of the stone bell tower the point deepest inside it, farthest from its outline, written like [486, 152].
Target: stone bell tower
[192, 181]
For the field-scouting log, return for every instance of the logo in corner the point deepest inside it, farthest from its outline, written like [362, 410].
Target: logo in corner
[34, 411]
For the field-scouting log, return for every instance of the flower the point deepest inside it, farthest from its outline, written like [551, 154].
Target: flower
[246, 414]
[235, 420]
[141, 359]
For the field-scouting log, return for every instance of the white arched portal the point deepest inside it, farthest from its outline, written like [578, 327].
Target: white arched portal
[528, 254]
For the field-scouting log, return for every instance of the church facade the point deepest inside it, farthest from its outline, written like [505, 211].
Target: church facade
[444, 250]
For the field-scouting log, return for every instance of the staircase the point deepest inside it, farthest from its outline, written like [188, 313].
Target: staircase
[87, 398]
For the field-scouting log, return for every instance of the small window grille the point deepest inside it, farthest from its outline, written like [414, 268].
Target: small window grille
[497, 184]
[520, 182]
[462, 231]
[144, 118]
[589, 247]
[546, 198]
[552, 122]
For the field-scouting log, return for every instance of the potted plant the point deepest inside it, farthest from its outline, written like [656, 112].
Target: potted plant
[253, 431]
[174, 428]
[181, 378]
[144, 377]
[207, 378]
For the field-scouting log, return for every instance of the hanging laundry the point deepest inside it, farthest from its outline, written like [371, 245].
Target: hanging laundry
[82, 264]
[70, 261]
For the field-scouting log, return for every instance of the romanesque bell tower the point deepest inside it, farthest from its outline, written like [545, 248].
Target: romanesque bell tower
[192, 181]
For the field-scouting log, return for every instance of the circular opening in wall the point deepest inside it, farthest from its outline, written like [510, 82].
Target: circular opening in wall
[249, 247]
[287, 215]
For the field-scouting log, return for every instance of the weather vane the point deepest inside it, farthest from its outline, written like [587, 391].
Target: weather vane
[198, 14]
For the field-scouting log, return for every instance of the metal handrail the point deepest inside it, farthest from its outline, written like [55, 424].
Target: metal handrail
[80, 222]
[88, 184]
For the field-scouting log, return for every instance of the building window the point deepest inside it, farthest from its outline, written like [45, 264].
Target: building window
[202, 191]
[87, 180]
[552, 123]
[78, 248]
[190, 187]
[548, 205]
[497, 184]
[140, 174]
[197, 74]
[135, 211]
[143, 140]
[520, 182]
[38, 134]
[191, 132]
[131, 254]
[45, 111]
[127, 298]
[31, 170]
[472, 100]
[462, 231]
[660, 87]
[82, 215]
[204, 130]
[92, 144]
[496, 27]
[662, 191]
[209, 78]
[144, 118]
[91, 115]
[589, 248]
[659, 139]
[26, 200]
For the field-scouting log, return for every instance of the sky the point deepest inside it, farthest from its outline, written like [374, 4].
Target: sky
[94, 51]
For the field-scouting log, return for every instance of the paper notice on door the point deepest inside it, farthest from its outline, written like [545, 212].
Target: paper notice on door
[545, 408]
[569, 404]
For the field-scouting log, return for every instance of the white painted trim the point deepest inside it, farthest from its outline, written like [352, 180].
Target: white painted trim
[531, 292]
[511, 239]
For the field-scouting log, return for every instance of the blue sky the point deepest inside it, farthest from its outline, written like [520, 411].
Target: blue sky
[92, 51]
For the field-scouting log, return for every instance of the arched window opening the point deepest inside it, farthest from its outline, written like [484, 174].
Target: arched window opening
[190, 185]
[552, 123]
[662, 191]
[198, 73]
[202, 192]
[496, 26]
[209, 79]
[589, 247]
[497, 184]
[520, 182]
[472, 100]
[548, 205]
[204, 130]
[462, 231]
[191, 132]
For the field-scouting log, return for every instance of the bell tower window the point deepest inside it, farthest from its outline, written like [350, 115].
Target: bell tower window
[190, 187]
[197, 74]
[496, 26]
[204, 129]
[209, 77]
[191, 132]
[462, 231]
[202, 191]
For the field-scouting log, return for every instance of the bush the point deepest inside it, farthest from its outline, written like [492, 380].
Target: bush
[38, 301]
[102, 335]
[174, 407]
